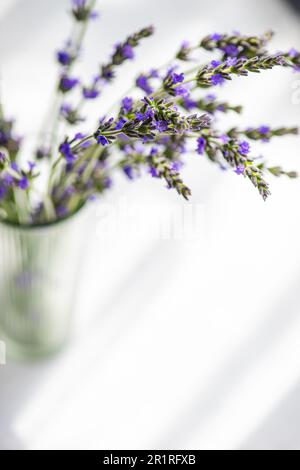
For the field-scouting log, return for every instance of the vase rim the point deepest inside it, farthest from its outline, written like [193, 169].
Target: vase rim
[45, 225]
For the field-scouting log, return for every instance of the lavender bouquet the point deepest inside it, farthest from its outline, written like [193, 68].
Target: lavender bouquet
[166, 117]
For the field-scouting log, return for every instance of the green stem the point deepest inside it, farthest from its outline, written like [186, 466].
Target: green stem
[82, 28]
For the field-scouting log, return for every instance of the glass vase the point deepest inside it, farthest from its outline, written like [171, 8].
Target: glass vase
[38, 280]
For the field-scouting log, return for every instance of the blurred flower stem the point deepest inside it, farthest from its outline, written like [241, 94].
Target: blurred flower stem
[78, 32]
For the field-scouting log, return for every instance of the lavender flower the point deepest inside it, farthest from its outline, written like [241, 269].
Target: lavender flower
[123, 52]
[70, 114]
[128, 51]
[240, 169]
[184, 52]
[231, 50]
[90, 93]
[129, 172]
[82, 10]
[244, 148]
[67, 83]
[101, 139]
[217, 79]
[143, 83]
[3, 191]
[127, 104]
[62, 211]
[64, 57]
[216, 37]
[201, 145]
[66, 150]
[153, 134]
[23, 183]
[3, 160]
[171, 80]
[211, 76]
[237, 45]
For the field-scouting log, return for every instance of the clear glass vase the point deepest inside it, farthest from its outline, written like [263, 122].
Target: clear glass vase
[38, 279]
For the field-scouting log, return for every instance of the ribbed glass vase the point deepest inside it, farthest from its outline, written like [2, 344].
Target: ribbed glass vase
[39, 272]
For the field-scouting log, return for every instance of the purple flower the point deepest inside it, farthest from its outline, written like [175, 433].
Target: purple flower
[94, 15]
[108, 182]
[3, 191]
[240, 169]
[201, 145]
[211, 97]
[67, 83]
[264, 130]
[101, 139]
[154, 73]
[23, 183]
[79, 136]
[120, 124]
[244, 148]
[140, 116]
[8, 179]
[217, 79]
[231, 50]
[90, 93]
[216, 37]
[224, 138]
[293, 53]
[79, 3]
[64, 58]
[181, 91]
[62, 211]
[185, 44]
[65, 149]
[231, 61]
[129, 172]
[143, 83]
[177, 166]
[86, 144]
[162, 126]
[153, 172]
[216, 63]
[143, 117]
[2, 157]
[31, 166]
[177, 78]
[15, 166]
[153, 151]
[82, 11]
[189, 103]
[127, 104]
[107, 74]
[128, 51]
[66, 109]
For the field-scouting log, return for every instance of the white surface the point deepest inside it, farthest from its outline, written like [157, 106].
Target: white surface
[179, 344]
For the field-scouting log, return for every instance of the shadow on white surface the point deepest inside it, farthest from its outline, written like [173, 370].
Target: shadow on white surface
[208, 402]
[281, 429]
[17, 384]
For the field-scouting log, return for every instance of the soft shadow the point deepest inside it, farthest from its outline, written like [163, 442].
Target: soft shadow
[19, 382]
[17, 385]
[285, 311]
[281, 430]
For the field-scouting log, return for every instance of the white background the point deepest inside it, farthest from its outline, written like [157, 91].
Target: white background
[179, 344]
